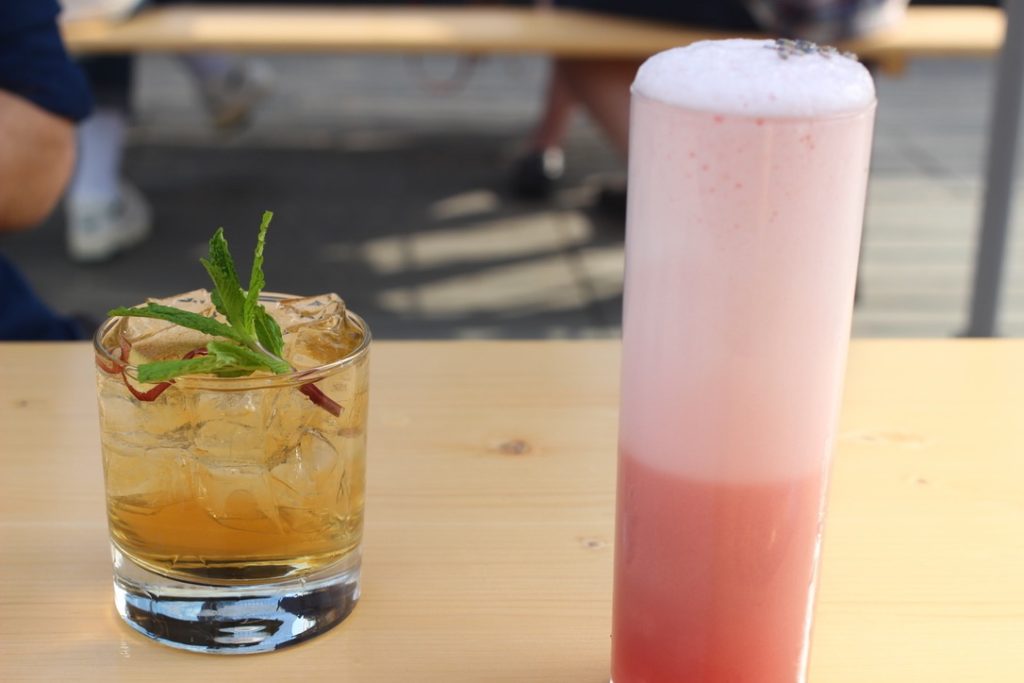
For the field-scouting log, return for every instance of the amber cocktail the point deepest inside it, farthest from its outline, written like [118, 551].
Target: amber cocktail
[236, 503]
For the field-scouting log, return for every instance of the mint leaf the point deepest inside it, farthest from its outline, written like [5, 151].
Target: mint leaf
[238, 357]
[228, 290]
[225, 359]
[268, 332]
[161, 370]
[217, 303]
[256, 279]
[253, 338]
[193, 321]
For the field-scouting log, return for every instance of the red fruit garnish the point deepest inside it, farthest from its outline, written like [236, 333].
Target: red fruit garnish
[150, 395]
[118, 365]
[112, 369]
[321, 399]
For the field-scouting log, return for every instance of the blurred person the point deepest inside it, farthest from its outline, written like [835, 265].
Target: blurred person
[602, 86]
[42, 94]
[106, 214]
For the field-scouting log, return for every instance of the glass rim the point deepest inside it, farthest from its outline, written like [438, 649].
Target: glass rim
[210, 382]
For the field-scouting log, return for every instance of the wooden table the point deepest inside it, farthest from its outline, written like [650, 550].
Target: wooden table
[489, 522]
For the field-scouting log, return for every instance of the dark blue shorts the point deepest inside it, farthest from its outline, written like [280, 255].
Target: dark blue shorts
[727, 15]
[33, 62]
[23, 315]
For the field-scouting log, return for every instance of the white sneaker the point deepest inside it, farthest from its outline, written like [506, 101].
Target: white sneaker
[231, 98]
[98, 230]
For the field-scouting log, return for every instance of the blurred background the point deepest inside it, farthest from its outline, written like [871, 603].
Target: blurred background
[388, 176]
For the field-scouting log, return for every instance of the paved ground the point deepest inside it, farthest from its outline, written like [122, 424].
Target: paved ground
[390, 192]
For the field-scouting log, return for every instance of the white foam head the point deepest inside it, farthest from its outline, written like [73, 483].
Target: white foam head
[756, 78]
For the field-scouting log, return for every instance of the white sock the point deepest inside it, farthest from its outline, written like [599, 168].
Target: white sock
[209, 67]
[100, 149]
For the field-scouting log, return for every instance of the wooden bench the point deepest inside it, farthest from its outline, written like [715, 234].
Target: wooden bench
[926, 32]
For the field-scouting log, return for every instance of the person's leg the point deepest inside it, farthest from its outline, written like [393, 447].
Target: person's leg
[100, 149]
[105, 214]
[558, 109]
[602, 86]
[37, 153]
[101, 136]
[231, 86]
[536, 172]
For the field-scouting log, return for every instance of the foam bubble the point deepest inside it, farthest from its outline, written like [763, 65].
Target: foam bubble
[751, 78]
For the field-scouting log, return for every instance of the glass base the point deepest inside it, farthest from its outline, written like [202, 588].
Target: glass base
[234, 619]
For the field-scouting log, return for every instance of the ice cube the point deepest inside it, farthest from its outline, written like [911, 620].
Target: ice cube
[316, 330]
[237, 496]
[305, 521]
[289, 415]
[166, 421]
[230, 426]
[353, 420]
[305, 483]
[153, 339]
[310, 348]
[309, 467]
[196, 301]
[146, 479]
[324, 311]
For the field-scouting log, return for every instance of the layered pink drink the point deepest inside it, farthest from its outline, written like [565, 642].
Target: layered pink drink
[747, 177]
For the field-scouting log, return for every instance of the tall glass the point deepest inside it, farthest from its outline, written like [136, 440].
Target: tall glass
[235, 505]
[744, 224]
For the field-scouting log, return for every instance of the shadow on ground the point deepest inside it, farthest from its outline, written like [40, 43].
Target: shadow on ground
[416, 233]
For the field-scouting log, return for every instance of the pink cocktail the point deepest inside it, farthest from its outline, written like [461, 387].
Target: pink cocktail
[747, 177]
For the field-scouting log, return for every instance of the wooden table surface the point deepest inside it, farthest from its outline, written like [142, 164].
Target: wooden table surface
[489, 522]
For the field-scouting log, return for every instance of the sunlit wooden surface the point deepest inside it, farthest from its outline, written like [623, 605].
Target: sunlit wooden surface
[927, 31]
[489, 522]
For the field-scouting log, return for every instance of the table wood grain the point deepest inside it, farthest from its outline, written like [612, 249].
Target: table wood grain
[489, 522]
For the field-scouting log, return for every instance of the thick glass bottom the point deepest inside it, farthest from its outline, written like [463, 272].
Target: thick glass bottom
[234, 619]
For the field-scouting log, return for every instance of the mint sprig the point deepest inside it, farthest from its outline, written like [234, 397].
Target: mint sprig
[164, 370]
[182, 318]
[251, 339]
